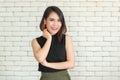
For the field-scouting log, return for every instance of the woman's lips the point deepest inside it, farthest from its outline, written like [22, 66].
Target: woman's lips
[54, 28]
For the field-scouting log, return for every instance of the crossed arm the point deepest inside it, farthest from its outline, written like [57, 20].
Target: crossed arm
[41, 53]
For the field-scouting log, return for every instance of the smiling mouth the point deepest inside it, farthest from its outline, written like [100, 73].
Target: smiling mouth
[54, 28]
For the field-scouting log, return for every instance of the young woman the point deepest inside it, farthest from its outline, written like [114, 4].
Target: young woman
[53, 50]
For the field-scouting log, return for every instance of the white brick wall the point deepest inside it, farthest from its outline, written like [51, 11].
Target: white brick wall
[93, 24]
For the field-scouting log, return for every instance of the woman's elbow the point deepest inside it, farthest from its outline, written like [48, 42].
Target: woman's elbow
[39, 59]
[72, 65]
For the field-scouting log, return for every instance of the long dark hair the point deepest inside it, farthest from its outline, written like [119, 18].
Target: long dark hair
[47, 12]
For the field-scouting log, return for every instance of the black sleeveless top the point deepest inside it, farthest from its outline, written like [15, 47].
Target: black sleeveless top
[57, 52]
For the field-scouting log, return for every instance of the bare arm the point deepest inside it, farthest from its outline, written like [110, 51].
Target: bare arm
[41, 53]
[70, 58]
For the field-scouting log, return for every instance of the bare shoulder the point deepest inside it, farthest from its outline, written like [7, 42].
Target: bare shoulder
[34, 41]
[35, 44]
[68, 38]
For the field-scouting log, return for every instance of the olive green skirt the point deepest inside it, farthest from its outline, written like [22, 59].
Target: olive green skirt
[60, 75]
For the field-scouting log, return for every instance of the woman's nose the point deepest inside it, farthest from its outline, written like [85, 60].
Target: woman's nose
[55, 23]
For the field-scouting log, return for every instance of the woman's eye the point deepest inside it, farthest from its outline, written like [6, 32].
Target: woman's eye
[51, 19]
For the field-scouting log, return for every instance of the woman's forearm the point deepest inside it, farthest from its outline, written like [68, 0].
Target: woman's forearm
[60, 65]
[43, 52]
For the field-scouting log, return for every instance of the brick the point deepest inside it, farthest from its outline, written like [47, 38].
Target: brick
[102, 24]
[2, 39]
[13, 78]
[94, 59]
[76, 9]
[94, 29]
[87, 73]
[115, 73]
[76, 28]
[85, 24]
[79, 49]
[29, 9]
[110, 29]
[14, 9]
[111, 59]
[85, 53]
[86, 44]
[86, 33]
[13, 68]
[30, 68]
[101, 54]
[86, 64]
[13, 39]
[95, 9]
[2, 9]
[28, 58]
[94, 69]
[95, 39]
[3, 4]
[102, 4]
[6, 14]
[90, 4]
[116, 14]
[115, 34]
[19, 53]
[5, 53]
[39, 4]
[2, 58]
[6, 73]
[78, 78]
[13, 58]
[5, 24]
[114, 69]
[110, 19]
[110, 48]
[111, 38]
[12, 48]
[30, 78]
[93, 18]
[2, 78]
[73, 13]
[87, 14]
[110, 78]
[103, 73]
[72, 4]
[105, 44]
[24, 19]
[103, 64]
[12, 19]
[20, 24]
[21, 73]
[116, 4]
[101, 34]
[22, 4]
[102, 14]
[93, 48]
[59, 4]
[21, 14]
[115, 64]
[72, 24]
[115, 54]
[112, 9]
[94, 78]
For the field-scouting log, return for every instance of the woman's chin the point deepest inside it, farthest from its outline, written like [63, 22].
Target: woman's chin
[53, 33]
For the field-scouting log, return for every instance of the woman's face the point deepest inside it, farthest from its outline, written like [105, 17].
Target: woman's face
[53, 23]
